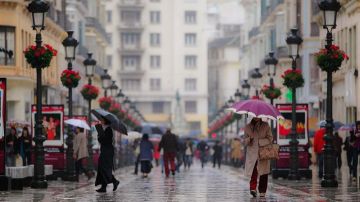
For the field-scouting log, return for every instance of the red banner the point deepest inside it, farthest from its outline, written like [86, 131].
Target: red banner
[2, 124]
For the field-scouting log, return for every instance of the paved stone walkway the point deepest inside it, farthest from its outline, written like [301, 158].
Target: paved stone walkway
[209, 184]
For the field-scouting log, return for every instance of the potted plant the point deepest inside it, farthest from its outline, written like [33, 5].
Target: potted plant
[89, 92]
[39, 57]
[271, 92]
[330, 59]
[293, 78]
[70, 78]
[105, 102]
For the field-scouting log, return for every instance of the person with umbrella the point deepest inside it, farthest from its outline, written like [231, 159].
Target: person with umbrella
[105, 163]
[146, 155]
[81, 152]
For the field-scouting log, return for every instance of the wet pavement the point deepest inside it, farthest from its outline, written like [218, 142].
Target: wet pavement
[209, 184]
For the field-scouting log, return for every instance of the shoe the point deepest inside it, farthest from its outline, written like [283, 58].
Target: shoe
[262, 195]
[253, 193]
[173, 172]
[101, 190]
[116, 184]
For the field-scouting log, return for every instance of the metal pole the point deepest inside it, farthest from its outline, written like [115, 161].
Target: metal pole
[39, 180]
[329, 178]
[90, 146]
[70, 161]
[293, 173]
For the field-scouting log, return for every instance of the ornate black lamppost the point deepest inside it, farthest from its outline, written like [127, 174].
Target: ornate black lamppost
[70, 44]
[246, 87]
[120, 97]
[237, 96]
[271, 63]
[293, 41]
[106, 81]
[113, 89]
[256, 75]
[330, 9]
[230, 103]
[90, 65]
[38, 8]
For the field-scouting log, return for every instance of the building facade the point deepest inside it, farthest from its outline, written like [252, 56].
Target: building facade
[159, 48]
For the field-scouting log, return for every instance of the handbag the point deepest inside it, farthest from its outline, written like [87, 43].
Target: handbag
[269, 152]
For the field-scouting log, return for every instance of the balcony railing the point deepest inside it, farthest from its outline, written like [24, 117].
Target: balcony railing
[131, 3]
[131, 25]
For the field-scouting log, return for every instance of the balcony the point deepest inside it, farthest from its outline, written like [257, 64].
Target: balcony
[134, 72]
[131, 49]
[131, 26]
[131, 4]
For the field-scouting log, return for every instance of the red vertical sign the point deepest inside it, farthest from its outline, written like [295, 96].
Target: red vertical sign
[2, 124]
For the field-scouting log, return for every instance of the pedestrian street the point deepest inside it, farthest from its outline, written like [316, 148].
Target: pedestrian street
[196, 184]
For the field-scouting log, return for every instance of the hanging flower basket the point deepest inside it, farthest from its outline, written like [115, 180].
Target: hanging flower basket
[330, 59]
[115, 109]
[105, 102]
[293, 78]
[89, 92]
[271, 92]
[39, 57]
[70, 78]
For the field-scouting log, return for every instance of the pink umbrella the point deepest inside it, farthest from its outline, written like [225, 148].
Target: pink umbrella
[256, 108]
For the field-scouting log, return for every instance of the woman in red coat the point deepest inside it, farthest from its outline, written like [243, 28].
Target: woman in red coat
[318, 149]
[156, 154]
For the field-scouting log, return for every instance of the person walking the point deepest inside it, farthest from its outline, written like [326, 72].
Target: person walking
[217, 156]
[24, 145]
[11, 148]
[257, 134]
[169, 144]
[318, 149]
[203, 148]
[188, 154]
[355, 147]
[80, 152]
[146, 155]
[236, 152]
[156, 154]
[137, 155]
[348, 147]
[337, 145]
[180, 154]
[106, 158]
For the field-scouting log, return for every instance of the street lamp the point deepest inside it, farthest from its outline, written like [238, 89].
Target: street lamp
[271, 63]
[256, 75]
[330, 9]
[237, 96]
[90, 65]
[127, 103]
[70, 45]
[113, 89]
[38, 8]
[246, 87]
[120, 97]
[105, 81]
[293, 41]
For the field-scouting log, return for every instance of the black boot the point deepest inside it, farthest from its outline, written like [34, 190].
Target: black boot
[102, 189]
[116, 184]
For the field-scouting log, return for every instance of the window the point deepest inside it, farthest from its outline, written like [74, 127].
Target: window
[155, 17]
[130, 39]
[130, 17]
[158, 107]
[190, 84]
[130, 63]
[155, 39]
[190, 17]
[109, 16]
[155, 61]
[130, 84]
[190, 39]
[190, 107]
[109, 61]
[190, 61]
[7, 42]
[155, 84]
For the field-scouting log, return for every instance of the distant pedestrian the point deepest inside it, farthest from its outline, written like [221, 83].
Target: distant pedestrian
[106, 159]
[338, 144]
[81, 153]
[146, 155]
[217, 156]
[188, 153]
[318, 149]
[169, 144]
[257, 134]
[355, 147]
[11, 149]
[24, 144]
[236, 152]
[180, 154]
[349, 147]
[203, 148]
[157, 154]
[137, 155]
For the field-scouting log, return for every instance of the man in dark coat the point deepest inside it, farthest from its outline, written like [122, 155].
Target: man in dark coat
[105, 162]
[169, 144]
[217, 154]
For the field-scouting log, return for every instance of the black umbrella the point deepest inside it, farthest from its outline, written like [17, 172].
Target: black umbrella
[116, 124]
[149, 128]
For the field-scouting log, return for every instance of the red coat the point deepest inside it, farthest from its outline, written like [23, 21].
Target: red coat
[319, 141]
[156, 152]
